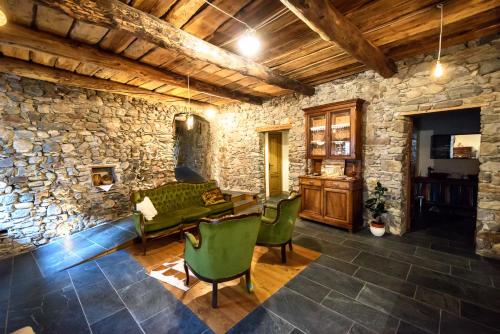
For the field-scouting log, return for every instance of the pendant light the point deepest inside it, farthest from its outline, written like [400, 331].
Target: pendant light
[248, 43]
[3, 18]
[190, 118]
[210, 112]
[438, 69]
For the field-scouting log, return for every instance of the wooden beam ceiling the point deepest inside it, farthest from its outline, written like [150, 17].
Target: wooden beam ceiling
[19, 36]
[322, 17]
[62, 77]
[113, 14]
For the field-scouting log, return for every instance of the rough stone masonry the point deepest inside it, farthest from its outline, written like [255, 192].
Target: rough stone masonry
[472, 76]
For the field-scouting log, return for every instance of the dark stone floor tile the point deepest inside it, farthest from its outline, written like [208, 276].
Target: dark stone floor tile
[475, 293]
[418, 261]
[146, 298]
[75, 242]
[25, 268]
[438, 299]
[126, 224]
[305, 314]
[358, 329]
[3, 314]
[406, 328]
[307, 231]
[56, 312]
[383, 265]
[480, 314]
[332, 237]
[124, 273]
[456, 251]
[337, 251]
[114, 258]
[94, 231]
[120, 322]
[451, 324]
[409, 240]
[367, 247]
[333, 279]
[385, 243]
[401, 307]
[297, 331]
[175, 320]
[330, 262]
[261, 321]
[489, 267]
[90, 252]
[25, 291]
[308, 288]
[496, 281]
[5, 278]
[111, 237]
[365, 315]
[49, 250]
[60, 261]
[385, 281]
[99, 300]
[454, 260]
[86, 274]
[471, 276]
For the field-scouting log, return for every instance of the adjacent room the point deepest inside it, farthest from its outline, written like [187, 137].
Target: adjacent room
[249, 166]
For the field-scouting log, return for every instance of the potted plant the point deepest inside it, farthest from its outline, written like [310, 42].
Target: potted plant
[376, 206]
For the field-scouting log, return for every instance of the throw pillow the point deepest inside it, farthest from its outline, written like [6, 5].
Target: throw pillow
[213, 196]
[147, 208]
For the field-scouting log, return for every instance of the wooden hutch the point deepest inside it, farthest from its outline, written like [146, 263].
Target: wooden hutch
[333, 132]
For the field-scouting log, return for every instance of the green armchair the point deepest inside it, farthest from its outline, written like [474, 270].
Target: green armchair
[277, 224]
[223, 252]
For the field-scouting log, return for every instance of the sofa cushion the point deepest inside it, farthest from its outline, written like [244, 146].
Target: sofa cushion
[147, 208]
[212, 196]
[162, 221]
[221, 207]
[191, 214]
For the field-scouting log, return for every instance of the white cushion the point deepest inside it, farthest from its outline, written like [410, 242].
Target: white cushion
[147, 208]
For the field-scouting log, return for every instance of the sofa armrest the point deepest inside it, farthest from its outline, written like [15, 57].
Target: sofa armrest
[194, 242]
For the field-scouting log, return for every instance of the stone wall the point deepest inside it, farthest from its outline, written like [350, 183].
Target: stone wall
[195, 150]
[50, 136]
[472, 76]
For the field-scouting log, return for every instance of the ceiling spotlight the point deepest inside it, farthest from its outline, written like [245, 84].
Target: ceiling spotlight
[3, 18]
[249, 44]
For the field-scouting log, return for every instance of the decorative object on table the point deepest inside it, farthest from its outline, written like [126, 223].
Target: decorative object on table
[103, 177]
[213, 196]
[376, 206]
[277, 224]
[223, 252]
[172, 273]
[335, 169]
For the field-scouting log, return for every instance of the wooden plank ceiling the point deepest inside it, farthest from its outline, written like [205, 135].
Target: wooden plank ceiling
[399, 28]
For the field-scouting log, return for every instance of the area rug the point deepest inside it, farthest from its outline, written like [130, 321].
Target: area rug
[173, 273]
[268, 276]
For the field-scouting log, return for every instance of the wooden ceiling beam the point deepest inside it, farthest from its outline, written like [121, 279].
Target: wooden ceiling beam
[61, 77]
[16, 35]
[115, 15]
[329, 23]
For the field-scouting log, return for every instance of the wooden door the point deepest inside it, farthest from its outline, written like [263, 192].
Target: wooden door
[312, 202]
[275, 164]
[337, 206]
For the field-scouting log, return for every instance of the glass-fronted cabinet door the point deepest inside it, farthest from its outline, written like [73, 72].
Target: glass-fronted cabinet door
[340, 134]
[317, 135]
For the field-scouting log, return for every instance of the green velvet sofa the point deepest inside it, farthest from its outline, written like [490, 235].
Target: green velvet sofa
[179, 205]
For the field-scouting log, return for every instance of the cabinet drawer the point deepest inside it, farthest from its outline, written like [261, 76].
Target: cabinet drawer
[336, 184]
[310, 182]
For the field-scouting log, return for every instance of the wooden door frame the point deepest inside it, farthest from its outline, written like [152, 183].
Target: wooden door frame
[284, 166]
[280, 136]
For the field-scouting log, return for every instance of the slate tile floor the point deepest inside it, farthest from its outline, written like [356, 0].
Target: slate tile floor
[69, 251]
[112, 294]
[418, 283]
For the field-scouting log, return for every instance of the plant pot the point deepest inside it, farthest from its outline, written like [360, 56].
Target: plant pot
[377, 228]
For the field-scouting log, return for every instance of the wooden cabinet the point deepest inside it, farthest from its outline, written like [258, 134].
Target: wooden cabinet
[333, 130]
[332, 201]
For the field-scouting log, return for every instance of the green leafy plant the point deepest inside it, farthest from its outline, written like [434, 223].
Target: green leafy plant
[376, 203]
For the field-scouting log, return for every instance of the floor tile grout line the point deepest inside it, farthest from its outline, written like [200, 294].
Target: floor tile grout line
[37, 264]
[11, 279]
[276, 315]
[121, 299]
[79, 301]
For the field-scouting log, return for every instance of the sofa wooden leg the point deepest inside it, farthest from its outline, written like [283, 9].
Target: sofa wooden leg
[181, 235]
[214, 294]
[248, 281]
[290, 245]
[283, 253]
[186, 269]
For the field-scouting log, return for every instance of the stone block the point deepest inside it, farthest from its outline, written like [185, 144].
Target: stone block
[51, 147]
[23, 145]
[6, 162]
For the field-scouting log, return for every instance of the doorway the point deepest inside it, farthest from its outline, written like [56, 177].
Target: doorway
[276, 162]
[444, 168]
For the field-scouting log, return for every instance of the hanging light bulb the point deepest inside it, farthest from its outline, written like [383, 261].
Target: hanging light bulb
[438, 69]
[3, 18]
[190, 122]
[249, 44]
[210, 112]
